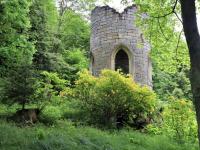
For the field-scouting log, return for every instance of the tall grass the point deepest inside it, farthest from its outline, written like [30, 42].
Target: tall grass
[64, 136]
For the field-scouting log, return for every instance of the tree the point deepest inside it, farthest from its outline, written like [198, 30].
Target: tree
[53, 39]
[169, 52]
[43, 26]
[76, 5]
[168, 11]
[188, 10]
[74, 31]
[15, 51]
[81, 7]
[77, 61]
[15, 46]
[19, 87]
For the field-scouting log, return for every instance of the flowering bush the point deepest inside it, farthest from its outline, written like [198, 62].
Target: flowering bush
[114, 100]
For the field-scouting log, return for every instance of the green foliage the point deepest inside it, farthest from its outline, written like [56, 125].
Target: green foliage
[51, 13]
[43, 26]
[171, 69]
[53, 79]
[18, 87]
[50, 115]
[170, 64]
[74, 31]
[48, 87]
[172, 84]
[169, 51]
[178, 121]
[52, 38]
[114, 99]
[80, 6]
[76, 58]
[77, 61]
[84, 86]
[15, 47]
[65, 136]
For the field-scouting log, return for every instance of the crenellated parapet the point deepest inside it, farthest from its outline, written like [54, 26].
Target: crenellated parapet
[117, 43]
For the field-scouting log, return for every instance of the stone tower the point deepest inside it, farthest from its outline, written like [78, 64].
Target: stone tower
[116, 43]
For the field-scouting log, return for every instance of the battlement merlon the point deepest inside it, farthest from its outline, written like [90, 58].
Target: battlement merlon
[112, 32]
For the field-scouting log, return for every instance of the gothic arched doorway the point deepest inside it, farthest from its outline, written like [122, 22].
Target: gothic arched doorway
[122, 61]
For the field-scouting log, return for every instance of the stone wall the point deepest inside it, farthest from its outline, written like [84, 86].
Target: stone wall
[112, 31]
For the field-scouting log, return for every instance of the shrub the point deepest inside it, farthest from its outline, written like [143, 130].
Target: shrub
[49, 87]
[50, 115]
[178, 121]
[114, 100]
[19, 86]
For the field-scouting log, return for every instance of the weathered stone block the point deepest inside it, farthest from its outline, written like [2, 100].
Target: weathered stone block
[117, 42]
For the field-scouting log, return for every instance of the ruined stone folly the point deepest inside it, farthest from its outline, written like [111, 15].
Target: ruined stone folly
[116, 43]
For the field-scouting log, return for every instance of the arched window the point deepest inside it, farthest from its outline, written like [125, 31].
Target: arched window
[122, 61]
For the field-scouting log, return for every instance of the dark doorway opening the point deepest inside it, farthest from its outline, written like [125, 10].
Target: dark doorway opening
[122, 61]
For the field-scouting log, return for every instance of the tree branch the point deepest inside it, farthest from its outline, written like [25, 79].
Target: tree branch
[169, 13]
[161, 29]
[178, 17]
[177, 46]
[165, 15]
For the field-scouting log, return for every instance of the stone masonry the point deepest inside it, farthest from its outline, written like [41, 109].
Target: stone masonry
[113, 31]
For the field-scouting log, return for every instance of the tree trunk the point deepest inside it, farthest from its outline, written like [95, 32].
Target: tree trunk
[23, 105]
[190, 27]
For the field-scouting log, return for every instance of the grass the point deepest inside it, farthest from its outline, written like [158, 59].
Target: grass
[65, 136]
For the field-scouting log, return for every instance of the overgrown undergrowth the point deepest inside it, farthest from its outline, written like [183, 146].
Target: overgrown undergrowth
[65, 136]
